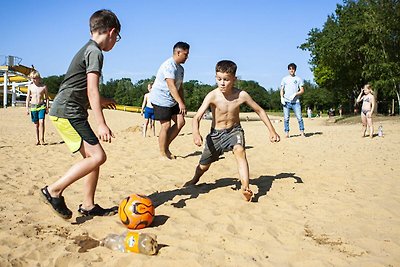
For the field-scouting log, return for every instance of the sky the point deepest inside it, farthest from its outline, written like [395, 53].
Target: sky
[260, 36]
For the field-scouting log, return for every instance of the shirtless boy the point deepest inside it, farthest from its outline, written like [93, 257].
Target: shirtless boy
[148, 113]
[37, 104]
[226, 132]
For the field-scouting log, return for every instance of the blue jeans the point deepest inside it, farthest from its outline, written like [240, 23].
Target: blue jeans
[297, 111]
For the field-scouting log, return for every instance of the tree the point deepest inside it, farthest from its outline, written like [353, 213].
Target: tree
[357, 44]
[53, 83]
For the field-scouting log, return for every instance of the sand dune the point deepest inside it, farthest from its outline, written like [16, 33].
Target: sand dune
[331, 199]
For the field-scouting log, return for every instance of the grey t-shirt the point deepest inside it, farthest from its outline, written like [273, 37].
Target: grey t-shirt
[71, 101]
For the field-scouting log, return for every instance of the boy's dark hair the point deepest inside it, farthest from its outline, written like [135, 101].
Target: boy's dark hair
[292, 65]
[181, 45]
[226, 66]
[103, 20]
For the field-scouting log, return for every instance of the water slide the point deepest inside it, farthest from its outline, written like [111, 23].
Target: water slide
[21, 76]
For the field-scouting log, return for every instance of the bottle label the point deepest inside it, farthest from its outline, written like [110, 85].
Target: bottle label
[132, 242]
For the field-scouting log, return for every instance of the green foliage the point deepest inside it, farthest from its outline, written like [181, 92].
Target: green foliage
[257, 92]
[195, 92]
[358, 44]
[125, 92]
[53, 83]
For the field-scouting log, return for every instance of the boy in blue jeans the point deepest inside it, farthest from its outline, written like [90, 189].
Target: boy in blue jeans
[69, 115]
[291, 90]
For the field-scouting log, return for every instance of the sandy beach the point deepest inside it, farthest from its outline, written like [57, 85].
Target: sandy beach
[331, 199]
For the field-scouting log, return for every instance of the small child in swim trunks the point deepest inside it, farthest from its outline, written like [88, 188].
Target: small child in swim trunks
[226, 132]
[367, 108]
[37, 104]
[148, 113]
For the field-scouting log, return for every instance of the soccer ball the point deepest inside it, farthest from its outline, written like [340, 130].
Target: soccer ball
[136, 211]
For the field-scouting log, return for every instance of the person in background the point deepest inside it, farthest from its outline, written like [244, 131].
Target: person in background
[367, 109]
[148, 112]
[167, 98]
[37, 104]
[291, 90]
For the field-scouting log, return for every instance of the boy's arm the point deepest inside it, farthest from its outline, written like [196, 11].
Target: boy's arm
[274, 137]
[298, 93]
[197, 138]
[143, 104]
[181, 92]
[176, 95]
[301, 91]
[28, 99]
[95, 100]
[281, 93]
[46, 98]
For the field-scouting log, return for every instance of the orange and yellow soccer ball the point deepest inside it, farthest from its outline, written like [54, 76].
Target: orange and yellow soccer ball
[136, 211]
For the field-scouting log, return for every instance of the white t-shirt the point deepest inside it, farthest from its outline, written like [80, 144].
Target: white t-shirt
[160, 94]
[291, 85]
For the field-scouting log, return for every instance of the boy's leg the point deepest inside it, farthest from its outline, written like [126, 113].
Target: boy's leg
[35, 120]
[243, 168]
[41, 131]
[286, 116]
[173, 131]
[163, 139]
[200, 170]
[297, 111]
[153, 126]
[168, 133]
[37, 130]
[94, 156]
[145, 124]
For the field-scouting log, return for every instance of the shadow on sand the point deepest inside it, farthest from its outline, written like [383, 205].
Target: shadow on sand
[264, 184]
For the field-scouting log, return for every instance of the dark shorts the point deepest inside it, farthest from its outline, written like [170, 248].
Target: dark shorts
[82, 127]
[74, 131]
[165, 113]
[220, 141]
[148, 113]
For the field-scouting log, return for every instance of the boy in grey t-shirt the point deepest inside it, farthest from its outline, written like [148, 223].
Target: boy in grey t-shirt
[69, 115]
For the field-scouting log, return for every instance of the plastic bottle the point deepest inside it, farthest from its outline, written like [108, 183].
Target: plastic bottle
[380, 131]
[130, 241]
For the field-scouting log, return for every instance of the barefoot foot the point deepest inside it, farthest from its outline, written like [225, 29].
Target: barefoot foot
[247, 194]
